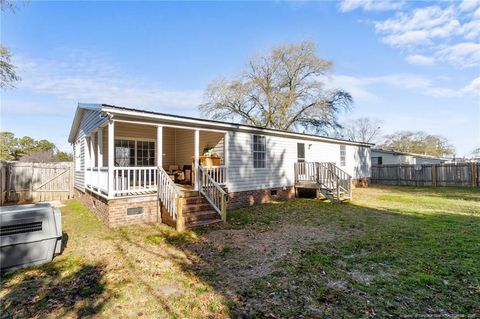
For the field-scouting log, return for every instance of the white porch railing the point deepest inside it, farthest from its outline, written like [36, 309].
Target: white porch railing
[217, 173]
[96, 179]
[138, 180]
[134, 180]
[213, 192]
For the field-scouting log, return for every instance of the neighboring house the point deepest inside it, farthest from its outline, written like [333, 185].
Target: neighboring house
[127, 159]
[388, 157]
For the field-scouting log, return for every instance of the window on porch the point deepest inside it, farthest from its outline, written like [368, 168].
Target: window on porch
[134, 153]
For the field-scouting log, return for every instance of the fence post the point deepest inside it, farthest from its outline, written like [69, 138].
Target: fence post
[434, 175]
[3, 182]
[31, 181]
[398, 173]
[473, 175]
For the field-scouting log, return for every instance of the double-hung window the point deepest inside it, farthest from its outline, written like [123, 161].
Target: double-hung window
[259, 151]
[300, 152]
[343, 155]
[134, 153]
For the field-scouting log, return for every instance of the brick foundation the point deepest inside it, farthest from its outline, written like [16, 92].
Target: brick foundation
[260, 196]
[113, 212]
[361, 182]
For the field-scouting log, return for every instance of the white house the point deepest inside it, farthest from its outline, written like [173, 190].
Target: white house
[388, 157]
[135, 166]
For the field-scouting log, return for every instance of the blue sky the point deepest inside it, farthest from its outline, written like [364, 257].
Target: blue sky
[413, 65]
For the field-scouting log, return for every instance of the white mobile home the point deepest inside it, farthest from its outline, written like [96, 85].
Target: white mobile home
[389, 157]
[129, 162]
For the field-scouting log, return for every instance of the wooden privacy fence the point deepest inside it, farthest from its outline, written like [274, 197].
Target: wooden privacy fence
[460, 174]
[22, 182]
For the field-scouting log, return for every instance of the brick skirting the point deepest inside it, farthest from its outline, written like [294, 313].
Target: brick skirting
[113, 212]
[260, 196]
[361, 182]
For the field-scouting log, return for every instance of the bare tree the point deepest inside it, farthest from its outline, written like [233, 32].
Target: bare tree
[281, 90]
[363, 129]
[418, 142]
[8, 75]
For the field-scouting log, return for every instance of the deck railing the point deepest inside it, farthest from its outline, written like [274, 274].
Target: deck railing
[213, 192]
[218, 173]
[336, 178]
[327, 174]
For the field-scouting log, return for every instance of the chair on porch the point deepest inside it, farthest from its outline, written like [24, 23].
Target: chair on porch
[172, 171]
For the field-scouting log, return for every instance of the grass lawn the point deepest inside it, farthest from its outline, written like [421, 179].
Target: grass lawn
[391, 252]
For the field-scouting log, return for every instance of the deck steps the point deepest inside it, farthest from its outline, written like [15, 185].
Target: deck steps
[203, 215]
[329, 181]
[197, 211]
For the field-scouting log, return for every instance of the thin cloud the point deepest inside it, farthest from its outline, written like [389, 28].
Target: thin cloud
[84, 78]
[446, 32]
[368, 89]
[370, 5]
[419, 59]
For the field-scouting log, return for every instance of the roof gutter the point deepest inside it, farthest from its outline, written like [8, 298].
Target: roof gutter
[224, 125]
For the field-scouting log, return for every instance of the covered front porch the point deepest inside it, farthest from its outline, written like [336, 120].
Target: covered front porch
[127, 158]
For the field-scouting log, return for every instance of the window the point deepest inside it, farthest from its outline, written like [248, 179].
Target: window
[124, 153]
[134, 153]
[259, 151]
[379, 160]
[343, 153]
[300, 152]
[145, 153]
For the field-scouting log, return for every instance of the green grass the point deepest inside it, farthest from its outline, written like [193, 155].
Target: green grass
[391, 252]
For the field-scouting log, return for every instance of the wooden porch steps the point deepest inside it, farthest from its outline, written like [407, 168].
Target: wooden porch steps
[197, 211]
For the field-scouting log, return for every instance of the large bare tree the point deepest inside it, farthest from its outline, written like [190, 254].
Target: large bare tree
[282, 90]
[363, 129]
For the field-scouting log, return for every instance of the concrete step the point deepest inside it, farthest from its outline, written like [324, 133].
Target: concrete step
[202, 223]
[203, 215]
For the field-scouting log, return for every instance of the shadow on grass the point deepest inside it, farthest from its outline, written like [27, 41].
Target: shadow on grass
[38, 293]
[410, 258]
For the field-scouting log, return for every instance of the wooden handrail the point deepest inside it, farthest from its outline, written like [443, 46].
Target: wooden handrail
[213, 192]
[169, 195]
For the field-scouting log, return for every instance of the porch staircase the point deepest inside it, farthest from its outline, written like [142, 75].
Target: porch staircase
[197, 211]
[188, 208]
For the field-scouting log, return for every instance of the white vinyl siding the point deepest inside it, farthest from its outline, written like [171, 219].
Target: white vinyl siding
[281, 154]
[90, 121]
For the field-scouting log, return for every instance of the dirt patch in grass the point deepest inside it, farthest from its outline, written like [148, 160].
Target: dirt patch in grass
[253, 253]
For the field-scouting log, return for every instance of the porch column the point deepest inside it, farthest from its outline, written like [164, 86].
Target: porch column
[196, 156]
[92, 151]
[111, 156]
[99, 147]
[99, 155]
[88, 160]
[159, 146]
[225, 155]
